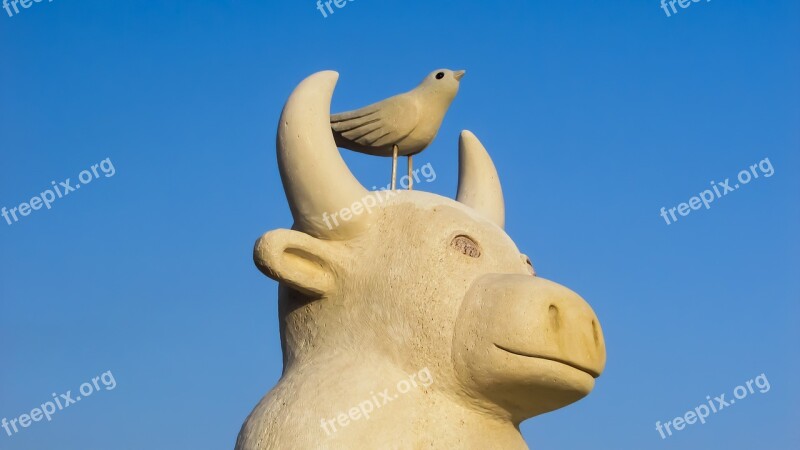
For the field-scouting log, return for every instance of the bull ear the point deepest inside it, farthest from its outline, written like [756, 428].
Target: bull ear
[300, 261]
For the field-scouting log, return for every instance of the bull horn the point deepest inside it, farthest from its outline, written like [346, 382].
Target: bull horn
[478, 183]
[315, 178]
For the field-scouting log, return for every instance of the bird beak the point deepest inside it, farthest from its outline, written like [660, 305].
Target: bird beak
[458, 75]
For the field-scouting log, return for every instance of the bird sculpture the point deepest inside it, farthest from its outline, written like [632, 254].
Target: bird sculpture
[401, 125]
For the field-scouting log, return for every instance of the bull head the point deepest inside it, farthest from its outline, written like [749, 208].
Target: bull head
[421, 281]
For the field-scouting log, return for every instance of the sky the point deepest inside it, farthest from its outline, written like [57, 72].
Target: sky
[597, 116]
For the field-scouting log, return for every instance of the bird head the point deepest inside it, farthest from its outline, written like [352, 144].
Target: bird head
[444, 82]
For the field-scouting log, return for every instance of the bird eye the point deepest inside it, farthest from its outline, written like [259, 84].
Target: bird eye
[466, 246]
[440, 75]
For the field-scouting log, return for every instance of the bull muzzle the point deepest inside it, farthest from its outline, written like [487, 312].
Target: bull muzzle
[527, 344]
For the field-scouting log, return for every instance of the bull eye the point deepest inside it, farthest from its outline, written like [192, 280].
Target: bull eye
[530, 265]
[466, 246]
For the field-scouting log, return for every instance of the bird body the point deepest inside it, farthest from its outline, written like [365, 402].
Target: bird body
[409, 121]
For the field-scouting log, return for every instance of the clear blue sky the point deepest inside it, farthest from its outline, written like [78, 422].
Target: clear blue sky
[597, 114]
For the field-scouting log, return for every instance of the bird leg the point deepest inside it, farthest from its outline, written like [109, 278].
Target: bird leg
[394, 166]
[410, 178]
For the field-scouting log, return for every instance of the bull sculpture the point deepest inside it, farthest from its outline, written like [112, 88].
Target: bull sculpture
[419, 284]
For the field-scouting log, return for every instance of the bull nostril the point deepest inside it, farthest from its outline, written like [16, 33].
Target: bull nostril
[554, 319]
[595, 333]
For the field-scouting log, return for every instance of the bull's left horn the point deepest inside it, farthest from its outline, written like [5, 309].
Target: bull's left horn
[478, 183]
[317, 182]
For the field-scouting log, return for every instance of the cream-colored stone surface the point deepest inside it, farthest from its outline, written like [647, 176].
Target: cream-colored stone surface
[421, 282]
[410, 120]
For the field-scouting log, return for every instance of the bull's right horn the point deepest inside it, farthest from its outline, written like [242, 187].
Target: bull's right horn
[317, 182]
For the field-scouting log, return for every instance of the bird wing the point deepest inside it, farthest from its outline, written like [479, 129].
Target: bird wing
[384, 123]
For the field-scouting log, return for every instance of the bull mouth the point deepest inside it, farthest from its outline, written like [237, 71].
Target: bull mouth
[584, 369]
